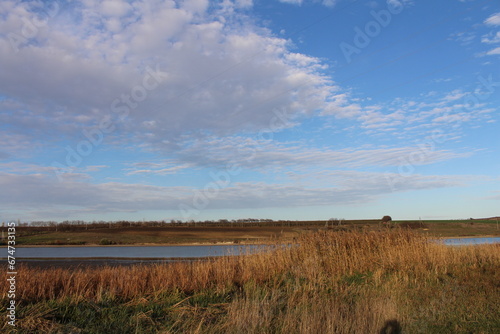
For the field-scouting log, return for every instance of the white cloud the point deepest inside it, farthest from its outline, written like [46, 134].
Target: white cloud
[327, 3]
[220, 72]
[465, 38]
[21, 168]
[454, 95]
[439, 80]
[116, 8]
[398, 3]
[244, 3]
[160, 169]
[491, 38]
[39, 198]
[495, 51]
[493, 20]
[266, 155]
[448, 113]
[294, 2]
[220, 78]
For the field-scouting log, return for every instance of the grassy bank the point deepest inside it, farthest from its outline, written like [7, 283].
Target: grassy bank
[333, 282]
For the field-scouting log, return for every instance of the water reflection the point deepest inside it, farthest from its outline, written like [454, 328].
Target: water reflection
[135, 252]
[469, 241]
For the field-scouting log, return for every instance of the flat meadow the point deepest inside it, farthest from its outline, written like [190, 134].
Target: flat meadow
[161, 233]
[387, 281]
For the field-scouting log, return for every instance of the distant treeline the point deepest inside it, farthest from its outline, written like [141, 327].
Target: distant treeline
[26, 228]
[74, 225]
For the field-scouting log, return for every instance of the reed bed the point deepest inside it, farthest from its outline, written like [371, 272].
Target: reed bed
[329, 282]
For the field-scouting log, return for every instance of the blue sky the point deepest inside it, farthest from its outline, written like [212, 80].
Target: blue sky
[234, 109]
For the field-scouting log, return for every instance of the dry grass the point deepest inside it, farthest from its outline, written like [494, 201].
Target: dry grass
[347, 282]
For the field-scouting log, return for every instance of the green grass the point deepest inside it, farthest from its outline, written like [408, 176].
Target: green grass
[142, 315]
[450, 306]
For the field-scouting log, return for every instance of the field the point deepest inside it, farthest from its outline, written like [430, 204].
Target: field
[157, 235]
[386, 281]
[236, 233]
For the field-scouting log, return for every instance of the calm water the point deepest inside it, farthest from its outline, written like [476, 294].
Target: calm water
[131, 252]
[168, 252]
[130, 255]
[470, 241]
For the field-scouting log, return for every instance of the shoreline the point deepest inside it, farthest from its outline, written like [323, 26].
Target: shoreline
[470, 237]
[222, 243]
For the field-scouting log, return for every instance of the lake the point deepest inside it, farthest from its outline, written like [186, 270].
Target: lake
[171, 252]
[122, 255]
[136, 252]
[129, 255]
[469, 241]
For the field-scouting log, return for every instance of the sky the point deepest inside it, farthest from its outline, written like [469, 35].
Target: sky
[278, 109]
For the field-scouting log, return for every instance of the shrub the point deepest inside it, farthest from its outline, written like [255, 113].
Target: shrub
[105, 242]
[386, 219]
